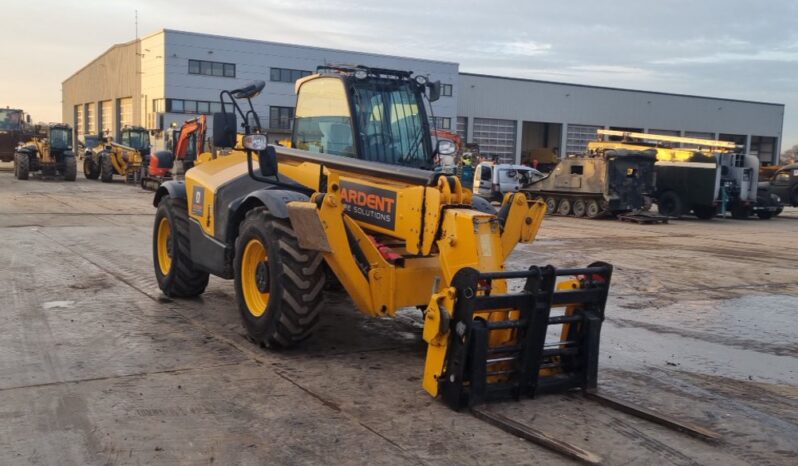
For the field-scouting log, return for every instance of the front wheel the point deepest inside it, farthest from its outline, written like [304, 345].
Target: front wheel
[90, 168]
[278, 285]
[21, 165]
[171, 252]
[106, 169]
[70, 169]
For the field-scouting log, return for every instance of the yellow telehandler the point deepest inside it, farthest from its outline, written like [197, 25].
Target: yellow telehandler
[48, 153]
[355, 200]
[122, 158]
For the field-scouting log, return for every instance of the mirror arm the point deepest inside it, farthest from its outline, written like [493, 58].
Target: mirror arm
[274, 182]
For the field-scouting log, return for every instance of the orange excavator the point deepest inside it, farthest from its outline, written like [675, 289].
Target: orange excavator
[185, 144]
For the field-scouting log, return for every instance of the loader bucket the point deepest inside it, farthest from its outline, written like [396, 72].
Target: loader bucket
[478, 370]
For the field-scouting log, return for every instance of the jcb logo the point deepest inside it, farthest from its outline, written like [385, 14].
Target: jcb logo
[198, 201]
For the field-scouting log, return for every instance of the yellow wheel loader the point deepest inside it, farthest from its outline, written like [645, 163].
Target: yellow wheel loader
[49, 153]
[355, 200]
[122, 158]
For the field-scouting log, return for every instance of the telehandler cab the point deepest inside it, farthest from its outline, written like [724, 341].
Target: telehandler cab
[355, 199]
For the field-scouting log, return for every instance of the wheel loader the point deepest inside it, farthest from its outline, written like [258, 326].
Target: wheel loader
[122, 158]
[49, 153]
[355, 201]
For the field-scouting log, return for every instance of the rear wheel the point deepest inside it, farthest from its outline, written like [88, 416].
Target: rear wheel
[592, 209]
[70, 168]
[564, 208]
[705, 212]
[794, 196]
[279, 286]
[106, 169]
[670, 205]
[176, 274]
[579, 208]
[21, 165]
[551, 205]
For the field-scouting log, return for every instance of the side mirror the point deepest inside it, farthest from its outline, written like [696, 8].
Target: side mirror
[268, 161]
[224, 129]
[249, 91]
[446, 147]
[434, 91]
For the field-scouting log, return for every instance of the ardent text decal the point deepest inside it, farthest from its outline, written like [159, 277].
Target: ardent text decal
[198, 201]
[369, 204]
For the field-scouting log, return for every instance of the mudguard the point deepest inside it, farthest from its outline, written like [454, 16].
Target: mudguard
[275, 201]
[173, 188]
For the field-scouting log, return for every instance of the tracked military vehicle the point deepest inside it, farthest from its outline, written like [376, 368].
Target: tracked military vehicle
[602, 182]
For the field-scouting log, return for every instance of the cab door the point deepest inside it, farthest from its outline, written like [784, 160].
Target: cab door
[483, 180]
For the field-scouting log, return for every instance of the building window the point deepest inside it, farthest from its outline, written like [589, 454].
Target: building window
[578, 136]
[158, 105]
[285, 75]
[446, 90]
[175, 105]
[442, 123]
[212, 68]
[281, 117]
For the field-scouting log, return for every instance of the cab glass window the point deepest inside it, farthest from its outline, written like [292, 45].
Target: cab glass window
[60, 138]
[322, 120]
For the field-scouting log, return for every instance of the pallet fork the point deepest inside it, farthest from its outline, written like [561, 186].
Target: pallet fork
[477, 371]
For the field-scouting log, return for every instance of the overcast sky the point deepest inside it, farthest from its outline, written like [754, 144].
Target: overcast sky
[722, 48]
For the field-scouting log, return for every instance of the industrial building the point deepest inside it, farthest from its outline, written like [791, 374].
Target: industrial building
[170, 76]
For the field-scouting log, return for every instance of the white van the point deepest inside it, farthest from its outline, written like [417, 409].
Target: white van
[493, 181]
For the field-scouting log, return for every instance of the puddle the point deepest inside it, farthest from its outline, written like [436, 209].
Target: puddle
[58, 304]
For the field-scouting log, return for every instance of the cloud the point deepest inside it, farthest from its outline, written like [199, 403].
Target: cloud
[727, 57]
[523, 48]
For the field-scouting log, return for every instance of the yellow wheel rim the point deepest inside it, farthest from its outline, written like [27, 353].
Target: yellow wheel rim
[164, 246]
[255, 277]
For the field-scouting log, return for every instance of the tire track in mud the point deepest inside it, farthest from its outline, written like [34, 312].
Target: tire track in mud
[128, 277]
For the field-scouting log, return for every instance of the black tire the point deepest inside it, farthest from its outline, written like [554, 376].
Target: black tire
[183, 279]
[90, 169]
[669, 204]
[22, 165]
[705, 212]
[106, 169]
[593, 209]
[765, 214]
[294, 277]
[564, 207]
[70, 168]
[551, 205]
[579, 208]
[794, 196]
[740, 212]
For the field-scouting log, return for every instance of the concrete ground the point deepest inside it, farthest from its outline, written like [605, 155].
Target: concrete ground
[97, 367]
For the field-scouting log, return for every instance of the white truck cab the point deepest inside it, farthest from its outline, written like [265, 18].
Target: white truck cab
[493, 181]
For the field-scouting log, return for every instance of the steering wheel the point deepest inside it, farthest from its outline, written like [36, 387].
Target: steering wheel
[377, 139]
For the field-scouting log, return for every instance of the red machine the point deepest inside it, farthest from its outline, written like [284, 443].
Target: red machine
[184, 144]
